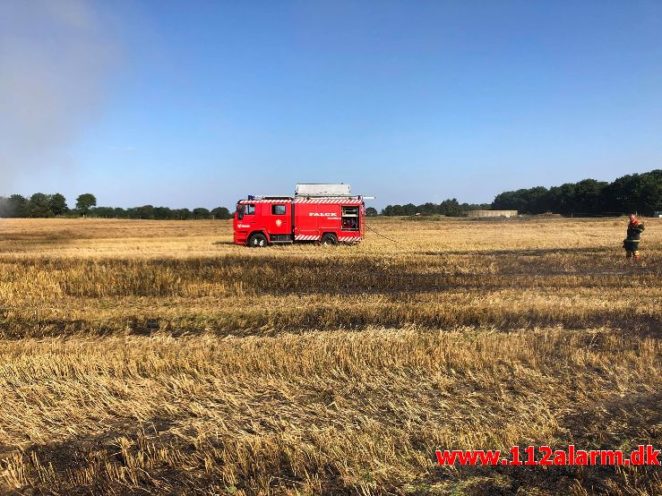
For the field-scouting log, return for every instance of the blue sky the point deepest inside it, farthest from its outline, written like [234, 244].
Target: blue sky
[198, 103]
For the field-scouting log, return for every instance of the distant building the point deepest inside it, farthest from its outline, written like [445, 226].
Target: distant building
[492, 213]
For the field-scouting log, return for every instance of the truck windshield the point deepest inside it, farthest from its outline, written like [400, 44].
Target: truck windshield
[248, 209]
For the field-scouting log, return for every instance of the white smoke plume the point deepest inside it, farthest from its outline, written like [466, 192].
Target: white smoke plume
[55, 60]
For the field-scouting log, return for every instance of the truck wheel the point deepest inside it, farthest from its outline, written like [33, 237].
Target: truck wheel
[329, 239]
[257, 240]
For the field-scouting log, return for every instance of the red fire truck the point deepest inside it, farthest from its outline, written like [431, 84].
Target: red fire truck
[261, 221]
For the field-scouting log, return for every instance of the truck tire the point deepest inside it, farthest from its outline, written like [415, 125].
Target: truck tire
[257, 240]
[329, 239]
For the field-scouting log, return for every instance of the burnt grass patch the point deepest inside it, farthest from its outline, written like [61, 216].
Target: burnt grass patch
[617, 423]
[113, 461]
[260, 275]
[328, 318]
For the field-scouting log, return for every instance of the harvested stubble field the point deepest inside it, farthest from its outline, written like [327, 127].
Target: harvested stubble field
[144, 357]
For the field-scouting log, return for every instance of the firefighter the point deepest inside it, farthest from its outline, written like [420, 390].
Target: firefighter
[631, 242]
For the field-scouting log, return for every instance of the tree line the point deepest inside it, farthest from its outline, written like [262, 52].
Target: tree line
[641, 193]
[55, 205]
[449, 208]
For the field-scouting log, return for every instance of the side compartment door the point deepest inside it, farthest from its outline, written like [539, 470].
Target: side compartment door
[306, 222]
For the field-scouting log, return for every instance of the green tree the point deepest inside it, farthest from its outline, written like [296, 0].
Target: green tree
[17, 206]
[410, 209]
[58, 204]
[162, 213]
[650, 192]
[85, 202]
[200, 213]
[182, 213]
[450, 208]
[589, 196]
[39, 206]
[529, 201]
[221, 213]
[636, 193]
[145, 212]
[103, 212]
[371, 211]
[562, 199]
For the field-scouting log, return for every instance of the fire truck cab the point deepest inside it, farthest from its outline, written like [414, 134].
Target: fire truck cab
[261, 221]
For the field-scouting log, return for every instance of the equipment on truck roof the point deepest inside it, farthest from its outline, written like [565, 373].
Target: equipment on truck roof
[322, 189]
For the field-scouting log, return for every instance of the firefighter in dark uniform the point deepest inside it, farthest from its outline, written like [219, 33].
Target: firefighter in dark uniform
[631, 242]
